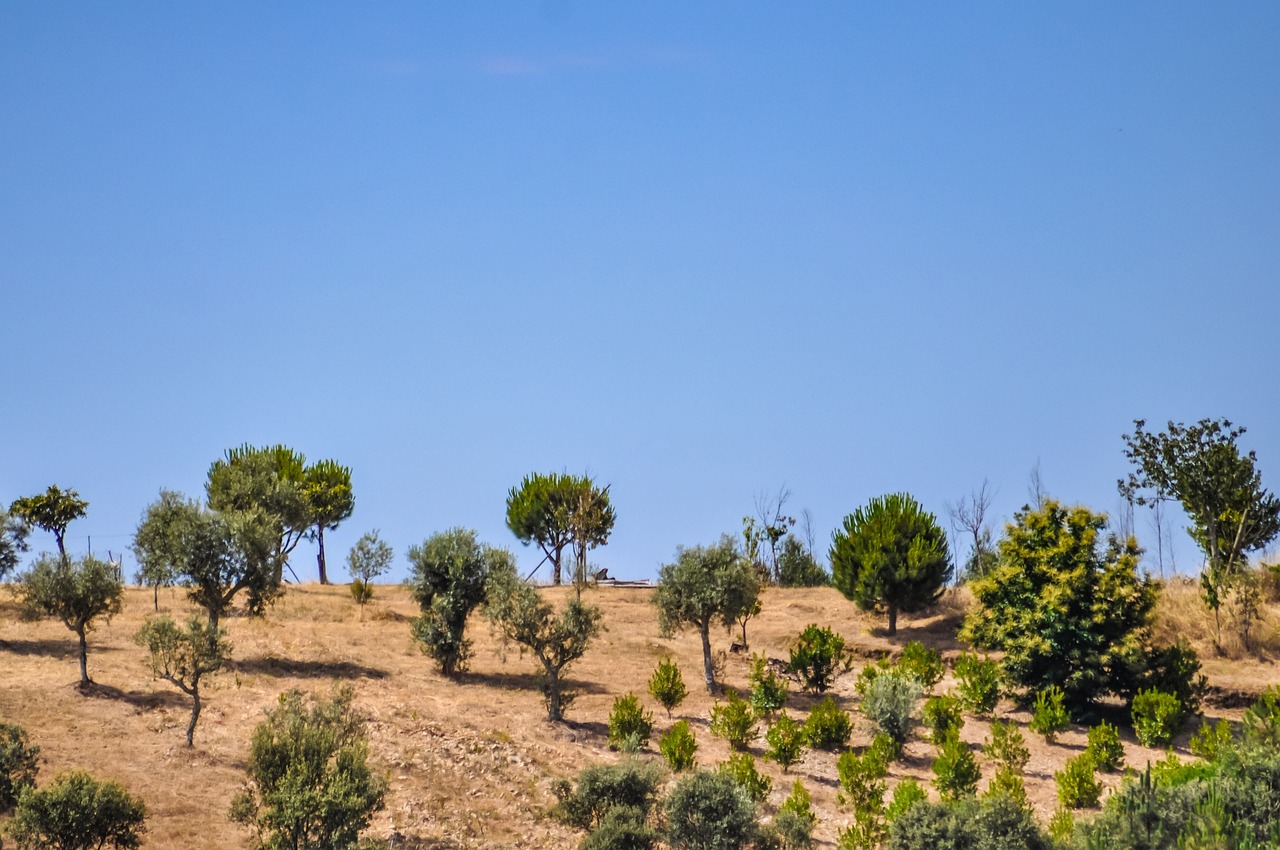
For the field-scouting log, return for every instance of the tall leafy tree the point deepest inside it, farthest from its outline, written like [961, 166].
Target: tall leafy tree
[1219, 487]
[591, 519]
[891, 555]
[704, 585]
[329, 498]
[184, 656]
[1067, 609]
[450, 571]
[53, 510]
[78, 593]
[13, 541]
[158, 543]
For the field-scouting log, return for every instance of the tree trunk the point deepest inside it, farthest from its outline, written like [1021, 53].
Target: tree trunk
[555, 711]
[893, 619]
[155, 597]
[324, 576]
[195, 714]
[555, 568]
[62, 550]
[84, 659]
[707, 669]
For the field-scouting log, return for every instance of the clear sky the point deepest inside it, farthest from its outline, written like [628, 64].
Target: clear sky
[699, 250]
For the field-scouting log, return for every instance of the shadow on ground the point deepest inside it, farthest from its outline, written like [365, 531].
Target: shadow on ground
[270, 665]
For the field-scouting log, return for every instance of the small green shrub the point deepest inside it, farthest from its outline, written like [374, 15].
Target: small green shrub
[679, 747]
[979, 685]
[1105, 748]
[990, 823]
[1006, 746]
[865, 832]
[786, 739]
[1261, 722]
[942, 715]
[1048, 715]
[629, 784]
[666, 685]
[1211, 740]
[828, 726]
[906, 794]
[885, 749]
[1174, 669]
[768, 690]
[1156, 718]
[890, 704]
[795, 820]
[1062, 826]
[861, 780]
[19, 762]
[955, 770]
[361, 591]
[922, 664]
[630, 724]
[1009, 783]
[621, 828]
[708, 810]
[817, 657]
[734, 721]
[741, 768]
[868, 674]
[77, 812]
[1078, 786]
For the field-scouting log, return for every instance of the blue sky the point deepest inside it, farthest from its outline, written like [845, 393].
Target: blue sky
[698, 250]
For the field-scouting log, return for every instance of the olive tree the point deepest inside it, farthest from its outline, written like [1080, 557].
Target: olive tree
[520, 615]
[184, 656]
[704, 585]
[76, 592]
[891, 555]
[368, 559]
[78, 812]
[450, 572]
[310, 784]
[53, 510]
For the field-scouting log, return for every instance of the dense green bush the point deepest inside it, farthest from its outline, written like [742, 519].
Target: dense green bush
[768, 690]
[1211, 740]
[19, 761]
[817, 657]
[629, 784]
[1105, 748]
[979, 685]
[734, 721]
[955, 770]
[862, 779]
[786, 739]
[679, 747]
[906, 794]
[1048, 715]
[989, 823]
[922, 664]
[890, 704]
[1143, 814]
[630, 724]
[77, 812]
[828, 726]
[1261, 722]
[708, 810]
[1006, 746]
[1077, 782]
[1156, 718]
[795, 820]
[942, 715]
[667, 685]
[741, 768]
[1173, 669]
[621, 828]
[798, 568]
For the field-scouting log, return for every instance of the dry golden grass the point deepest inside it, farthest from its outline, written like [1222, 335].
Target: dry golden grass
[470, 762]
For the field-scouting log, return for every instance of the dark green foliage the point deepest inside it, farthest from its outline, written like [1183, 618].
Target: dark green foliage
[828, 726]
[786, 741]
[13, 541]
[449, 578]
[1143, 814]
[922, 664]
[798, 568]
[817, 657]
[890, 703]
[666, 685]
[77, 812]
[183, 657]
[906, 794]
[734, 721]
[621, 828]
[76, 592]
[520, 614]
[1049, 715]
[705, 585]
[326, 489]
[559, 510]
[361, 592]
[1078, 786]
[630, 784]
[1261, 723]
[955, 770]
[768, 690]
[942, 715]
[19, 762]
[53, 510]
[1156, 718]
[1066, 610]
[630, 725]
[989, 823]
[679, 747]
[979, 685]
[891, 554]
[310, 784]
[741, 767]
[1105, 748]
[708, 810]
[1173, 669]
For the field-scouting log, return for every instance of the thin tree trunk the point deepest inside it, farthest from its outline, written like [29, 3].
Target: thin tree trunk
[893, 619]
[155, 596]
[62, 550]
[84, 658]
[195, 714]
[324, 576]
[554, 709]
[707, 669]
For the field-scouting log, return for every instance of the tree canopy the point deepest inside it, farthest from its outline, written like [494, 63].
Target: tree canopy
[75, 592]
[328, 494]
[891, 554]
[558, 510]
[53, 510]
[13, 541]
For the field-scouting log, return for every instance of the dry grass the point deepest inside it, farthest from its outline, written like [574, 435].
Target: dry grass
[470, 761]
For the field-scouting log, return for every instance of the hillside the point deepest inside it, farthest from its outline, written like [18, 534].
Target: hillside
[470, 762]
